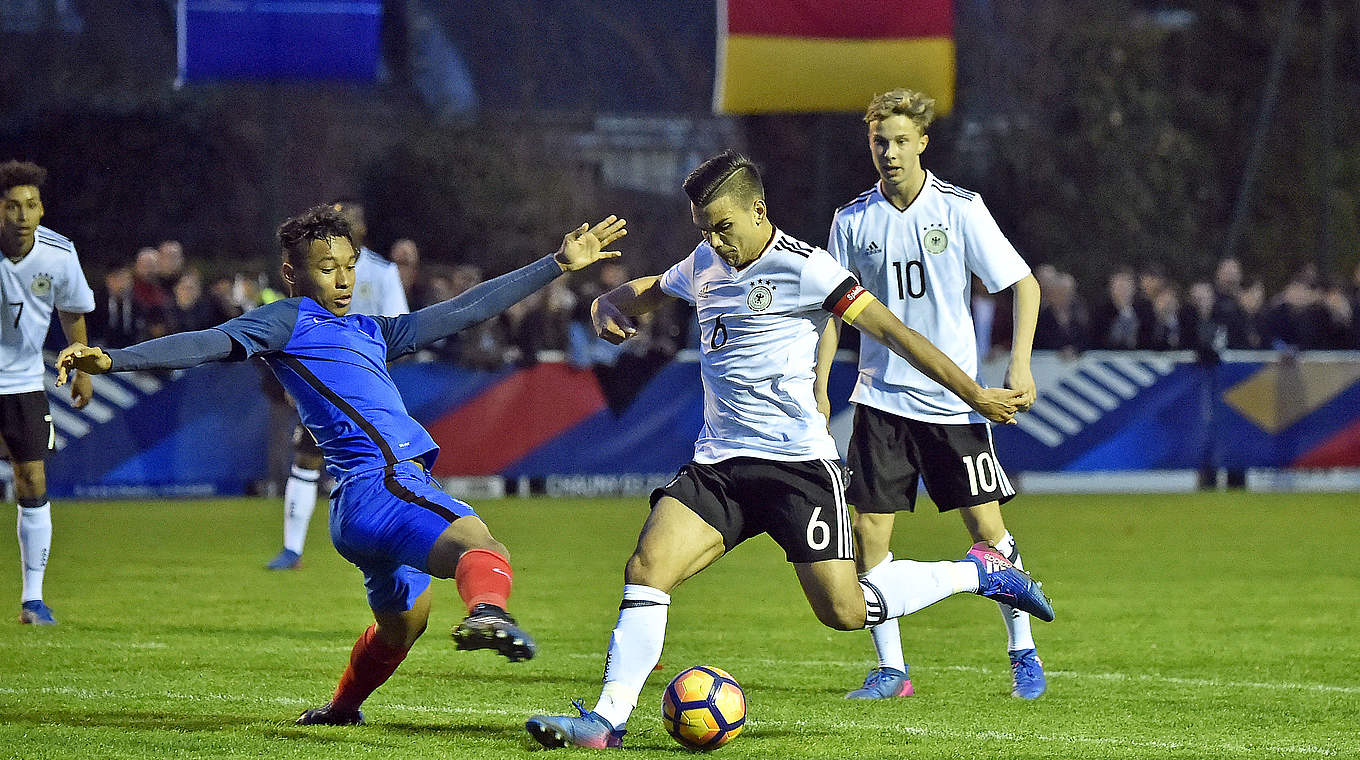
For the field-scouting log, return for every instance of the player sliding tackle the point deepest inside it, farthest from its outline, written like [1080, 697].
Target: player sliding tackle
[764, 462]
[388, 516]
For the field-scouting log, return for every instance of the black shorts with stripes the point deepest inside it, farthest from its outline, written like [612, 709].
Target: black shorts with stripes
[800, 504]
[889, 455]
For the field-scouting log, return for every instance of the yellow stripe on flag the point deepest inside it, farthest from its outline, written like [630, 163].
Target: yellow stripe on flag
[793, 74]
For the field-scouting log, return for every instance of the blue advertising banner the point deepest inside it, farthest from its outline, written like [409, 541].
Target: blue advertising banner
[207, 430]
[278, 39]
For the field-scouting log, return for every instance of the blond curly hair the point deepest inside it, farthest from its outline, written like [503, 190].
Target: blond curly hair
[917, 106]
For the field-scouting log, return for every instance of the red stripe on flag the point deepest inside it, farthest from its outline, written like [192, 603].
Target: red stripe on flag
[513, 417]
[852, 19]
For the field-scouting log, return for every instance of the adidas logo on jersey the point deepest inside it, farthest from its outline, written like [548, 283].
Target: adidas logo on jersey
[873, 247]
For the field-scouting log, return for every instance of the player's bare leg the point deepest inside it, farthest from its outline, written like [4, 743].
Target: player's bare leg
[35, 540]
[467, 552]
[374, 658]
[985, 524]
[674, 545]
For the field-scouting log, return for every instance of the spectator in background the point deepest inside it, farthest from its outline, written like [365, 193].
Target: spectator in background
[1171, 325]
[152, 302]
[222, 292]
[1338, 327]
[1063, 323]
[1115, 323]
[169, 263]
[1227, 310]
[1151, 283]
[1296, 315]
[1208, 335]
[1252, 301]
[406, 256]
[190, 310]
[115, 322]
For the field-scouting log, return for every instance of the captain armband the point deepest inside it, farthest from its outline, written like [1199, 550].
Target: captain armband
[848, 301]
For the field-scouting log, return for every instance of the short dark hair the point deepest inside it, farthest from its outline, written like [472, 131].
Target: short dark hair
[317, 223]
[20, 173]
[727, 173]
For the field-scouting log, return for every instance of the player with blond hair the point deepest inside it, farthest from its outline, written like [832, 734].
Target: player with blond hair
[916, 242]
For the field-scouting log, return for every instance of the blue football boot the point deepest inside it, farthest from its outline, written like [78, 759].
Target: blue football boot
[36, 613]
[1001, 581]
[287, 560]
[883, 683]
[589, 729]
[1027, 674]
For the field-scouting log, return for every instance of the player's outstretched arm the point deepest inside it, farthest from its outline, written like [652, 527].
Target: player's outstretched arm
[580, 248]
[996, 404]
[612, 313]
[178, 351]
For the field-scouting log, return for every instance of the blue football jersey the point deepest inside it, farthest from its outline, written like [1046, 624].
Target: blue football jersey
[335, 368]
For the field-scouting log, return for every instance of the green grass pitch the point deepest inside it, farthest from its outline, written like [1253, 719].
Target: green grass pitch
[1189, 626]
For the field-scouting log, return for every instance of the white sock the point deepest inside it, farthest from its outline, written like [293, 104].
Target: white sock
[299, 499]
[35, 542]
[886, 635]
[1018, 634]
[904, 586]
[634, 649]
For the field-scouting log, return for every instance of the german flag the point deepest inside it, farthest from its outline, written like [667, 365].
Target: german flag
[819, 55]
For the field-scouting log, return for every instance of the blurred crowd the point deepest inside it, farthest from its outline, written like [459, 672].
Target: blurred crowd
[1146, 310]
[158, 294]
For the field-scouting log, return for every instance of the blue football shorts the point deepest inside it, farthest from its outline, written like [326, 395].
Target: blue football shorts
[386, 521]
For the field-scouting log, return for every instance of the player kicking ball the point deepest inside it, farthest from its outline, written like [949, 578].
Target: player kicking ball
[764, 461]
[388, 516]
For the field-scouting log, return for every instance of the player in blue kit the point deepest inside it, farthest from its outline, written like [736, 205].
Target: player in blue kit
[388, 516]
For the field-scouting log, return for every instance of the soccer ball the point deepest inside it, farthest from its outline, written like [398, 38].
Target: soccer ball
[703, 708]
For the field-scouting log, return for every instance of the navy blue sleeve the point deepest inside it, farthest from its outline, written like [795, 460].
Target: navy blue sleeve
[411, 332]
[178, 351]
[267, 328]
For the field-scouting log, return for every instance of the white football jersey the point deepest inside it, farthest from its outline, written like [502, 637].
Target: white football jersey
[758, 344]
[919, 262]
[377, 287]
[48, 277]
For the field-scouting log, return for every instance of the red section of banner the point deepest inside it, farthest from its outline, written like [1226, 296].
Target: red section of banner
[1341, 450]
[852, 19]
[492, 430]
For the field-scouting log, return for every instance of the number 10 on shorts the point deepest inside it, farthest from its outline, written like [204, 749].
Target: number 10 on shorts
[981, 473]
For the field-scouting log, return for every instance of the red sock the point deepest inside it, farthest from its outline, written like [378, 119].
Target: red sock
[371, 663]
[483, 577]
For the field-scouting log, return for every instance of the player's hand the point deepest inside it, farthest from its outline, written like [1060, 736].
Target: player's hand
[1021, 379]
[610, 323]
[584, 245]
[998, 404]
[82, 390]
[82, 358]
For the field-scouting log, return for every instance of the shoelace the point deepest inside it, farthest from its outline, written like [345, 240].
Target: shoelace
[580, 705]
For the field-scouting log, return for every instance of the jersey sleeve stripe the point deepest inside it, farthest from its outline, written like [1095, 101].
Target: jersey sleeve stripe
[857, 199]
